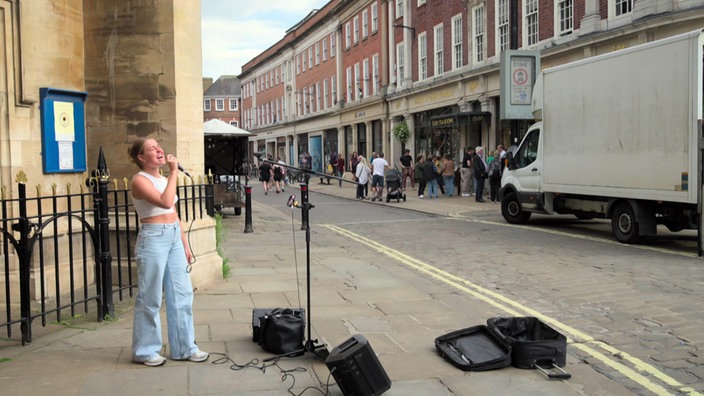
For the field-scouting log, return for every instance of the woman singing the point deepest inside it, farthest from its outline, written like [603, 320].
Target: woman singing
[162, 255]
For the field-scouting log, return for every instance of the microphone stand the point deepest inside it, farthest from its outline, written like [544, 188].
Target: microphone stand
[309, 346]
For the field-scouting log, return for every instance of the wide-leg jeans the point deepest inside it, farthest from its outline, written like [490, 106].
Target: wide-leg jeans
[161, 262]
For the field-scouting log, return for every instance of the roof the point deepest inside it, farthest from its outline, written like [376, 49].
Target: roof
[219, 127]
[224, 86]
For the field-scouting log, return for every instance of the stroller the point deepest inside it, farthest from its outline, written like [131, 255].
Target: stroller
[394, 190]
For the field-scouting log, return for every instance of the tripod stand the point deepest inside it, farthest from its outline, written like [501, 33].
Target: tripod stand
[309, 345]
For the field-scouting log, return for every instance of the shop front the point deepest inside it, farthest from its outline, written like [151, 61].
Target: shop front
[449, 131]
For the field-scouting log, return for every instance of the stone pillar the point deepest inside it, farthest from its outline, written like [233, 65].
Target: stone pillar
[591, 22]
[144, 79]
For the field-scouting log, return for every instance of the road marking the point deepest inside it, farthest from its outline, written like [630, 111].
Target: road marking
[576, 338]
[457, 216]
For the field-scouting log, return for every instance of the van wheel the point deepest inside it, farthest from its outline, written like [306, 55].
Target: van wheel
[623, 223]
[512, 211]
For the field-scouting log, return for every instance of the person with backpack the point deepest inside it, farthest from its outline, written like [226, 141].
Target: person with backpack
[495, 177]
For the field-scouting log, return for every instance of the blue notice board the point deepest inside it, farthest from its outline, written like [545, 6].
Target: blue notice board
[63, 130]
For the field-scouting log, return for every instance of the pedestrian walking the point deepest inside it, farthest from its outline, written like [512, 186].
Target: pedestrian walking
[162, 255]
[363, 174]
[418, 175]
[430, 174]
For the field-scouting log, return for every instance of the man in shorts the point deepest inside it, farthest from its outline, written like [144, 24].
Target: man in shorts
[379, 166]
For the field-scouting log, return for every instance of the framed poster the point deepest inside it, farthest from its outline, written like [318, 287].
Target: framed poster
[63, 130]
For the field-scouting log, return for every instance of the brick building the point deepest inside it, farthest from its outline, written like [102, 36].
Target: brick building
[354, 70]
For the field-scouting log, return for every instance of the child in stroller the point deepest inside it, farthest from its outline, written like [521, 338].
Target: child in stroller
[394, 190]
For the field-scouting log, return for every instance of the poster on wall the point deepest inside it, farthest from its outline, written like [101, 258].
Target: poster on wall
[63, 130]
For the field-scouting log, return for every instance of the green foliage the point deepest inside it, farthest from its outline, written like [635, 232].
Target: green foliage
[218, 246]
[401, 132]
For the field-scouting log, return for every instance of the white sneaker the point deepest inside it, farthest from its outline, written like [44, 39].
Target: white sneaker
[465, 194]
[199, 356]
[420, 196]
[156, 361]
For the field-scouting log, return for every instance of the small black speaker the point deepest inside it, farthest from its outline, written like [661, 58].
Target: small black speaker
[356, 368]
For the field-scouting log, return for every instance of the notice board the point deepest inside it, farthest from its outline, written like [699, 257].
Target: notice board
[63, 130]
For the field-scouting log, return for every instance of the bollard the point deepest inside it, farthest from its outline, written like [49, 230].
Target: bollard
[248, 209]
[304, 202]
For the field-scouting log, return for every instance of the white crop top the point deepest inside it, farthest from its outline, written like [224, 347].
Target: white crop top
[145, 208]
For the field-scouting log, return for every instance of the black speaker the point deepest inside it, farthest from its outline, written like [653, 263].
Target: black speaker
[356, 368]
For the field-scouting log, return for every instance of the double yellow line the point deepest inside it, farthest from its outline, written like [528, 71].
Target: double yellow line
[639, 371]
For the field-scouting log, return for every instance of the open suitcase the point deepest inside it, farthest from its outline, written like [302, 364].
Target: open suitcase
[533, 344]
[475, 348]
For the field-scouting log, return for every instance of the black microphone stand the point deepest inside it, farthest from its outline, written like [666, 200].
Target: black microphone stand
[309, 346]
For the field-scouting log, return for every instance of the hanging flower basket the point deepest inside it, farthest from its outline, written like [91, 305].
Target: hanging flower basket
[401, 132]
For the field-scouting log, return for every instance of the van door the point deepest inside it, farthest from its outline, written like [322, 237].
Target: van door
[527, 172]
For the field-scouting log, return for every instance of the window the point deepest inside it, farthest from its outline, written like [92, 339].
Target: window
[375, 17]
[233, 104]
[311, 98]
[565, 15]
[623, 7]
[234, 124]
[528, 151]
[298, 64]
[375, 73]
[317, 54]
[357, 86]
[278, 74]
[355, 24]
[349, 84]
[457, 52]
[219, 104]
[439, 50]
[326, 97]
[421, 2]
[332, 44]
[325, 50]
[318, 97]
[333, 88]
[478, 34]
[365, 23]
[531, 22]
[399, 8]
[399, 64]
[365, 77]
[422, 56]
[303, 57]
[306, 106]
[206, 105]
[502, 17]
[348, 35]
[310, 57]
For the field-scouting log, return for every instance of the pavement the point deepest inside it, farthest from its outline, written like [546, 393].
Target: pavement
[398, 310]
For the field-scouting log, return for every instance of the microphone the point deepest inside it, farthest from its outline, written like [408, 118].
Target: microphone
[292, 201]
[185, 172]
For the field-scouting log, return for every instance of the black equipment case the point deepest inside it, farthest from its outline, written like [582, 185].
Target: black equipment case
[533, 344]
[475, 348]
[258, 313]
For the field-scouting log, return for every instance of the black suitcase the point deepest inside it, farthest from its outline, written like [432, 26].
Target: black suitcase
[475, 348]
[534, 344]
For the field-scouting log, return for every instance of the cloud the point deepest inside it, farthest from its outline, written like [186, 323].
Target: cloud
[235, 31]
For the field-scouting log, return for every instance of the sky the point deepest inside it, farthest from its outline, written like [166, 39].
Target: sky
[235, 31]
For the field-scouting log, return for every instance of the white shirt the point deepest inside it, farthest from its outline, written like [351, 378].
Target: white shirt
[379, 164]
[362, 173]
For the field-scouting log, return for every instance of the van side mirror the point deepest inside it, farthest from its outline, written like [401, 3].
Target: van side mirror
[510, 161]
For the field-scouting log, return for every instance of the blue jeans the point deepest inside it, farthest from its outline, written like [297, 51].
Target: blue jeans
[449, 185]
[432, 188]
[161, 262]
